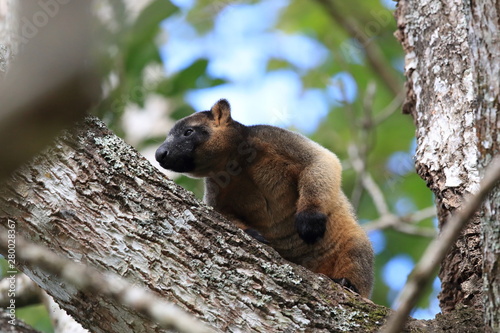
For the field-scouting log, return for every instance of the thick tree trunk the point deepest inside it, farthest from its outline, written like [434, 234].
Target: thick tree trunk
[94, 199]
[485, 40]
[452, 66]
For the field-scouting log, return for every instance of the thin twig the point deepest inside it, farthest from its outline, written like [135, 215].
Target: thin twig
[88, 279]
[357, 192]
[365, 141]
[436, 251]
[376, 194]
[414, 230]
[368, 182]
[390, 109]
[387, 219]
[403, 222]
[374, 55]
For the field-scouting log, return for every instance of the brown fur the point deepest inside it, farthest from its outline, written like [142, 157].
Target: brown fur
[261, 177]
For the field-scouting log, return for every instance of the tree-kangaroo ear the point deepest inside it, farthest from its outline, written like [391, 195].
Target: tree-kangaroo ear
[221, 111]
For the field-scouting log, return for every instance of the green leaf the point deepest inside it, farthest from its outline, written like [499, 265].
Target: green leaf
[140, 47]
[275, 64]
[184, 80]
[148, 22]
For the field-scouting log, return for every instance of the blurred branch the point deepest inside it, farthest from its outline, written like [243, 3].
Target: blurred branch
[368, 101]
[436, 251]
[365, 144]
[373, 53]
[414, 230]
[367, 180]
[387, 219]
[390, 109]
[50, 83]
[405, 223]
[85, 278]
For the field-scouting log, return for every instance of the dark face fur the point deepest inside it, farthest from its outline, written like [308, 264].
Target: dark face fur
[178, 152]
[200, 143]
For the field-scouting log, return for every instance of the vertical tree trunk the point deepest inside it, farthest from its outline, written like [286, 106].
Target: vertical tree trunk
[485, 40]
[452, 69]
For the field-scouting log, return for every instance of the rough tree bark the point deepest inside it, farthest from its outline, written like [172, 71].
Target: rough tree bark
[453, 84]
[485, 40]
[94, 199]
[91, 198]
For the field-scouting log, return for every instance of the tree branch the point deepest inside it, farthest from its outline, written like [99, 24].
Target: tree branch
[50, 84]
[87, 279]
[404, 223]
[388, 219]
[373, 53]
[364, 140]
[390, 109]
[436, 251]
[367, 181]
[93, 198]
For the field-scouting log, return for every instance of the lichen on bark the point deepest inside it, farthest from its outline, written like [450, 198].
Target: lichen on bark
[92, 198]
[453, 72]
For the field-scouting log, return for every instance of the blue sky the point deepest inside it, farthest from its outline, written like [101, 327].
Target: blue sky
[240, 55]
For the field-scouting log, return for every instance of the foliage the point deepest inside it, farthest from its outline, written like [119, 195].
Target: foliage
[36, 316]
